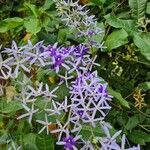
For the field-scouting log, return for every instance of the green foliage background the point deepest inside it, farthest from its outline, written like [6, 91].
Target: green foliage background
[125, 63]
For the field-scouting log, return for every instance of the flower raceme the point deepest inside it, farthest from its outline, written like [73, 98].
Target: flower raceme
[77, 17]
[89, 97]
[73, 58]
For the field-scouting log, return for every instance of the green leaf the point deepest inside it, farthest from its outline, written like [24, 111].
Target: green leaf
[62, 35]
[3, 27]
[10, 23]
[116, 39]
[145, 86]
[47, 4]
[62, 92]
[87, 131]
[148, 8]
[119, 97]
[30, 141]
[142, 41]
[139, 137]
[32, 25]
[138, 8]
[99, 38]
[48, 38]
[10, 107]
[42, 74]
[128, 25]
[132, 123]
[44, 142]
[32, 8]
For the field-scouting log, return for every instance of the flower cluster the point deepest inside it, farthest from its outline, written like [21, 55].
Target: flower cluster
[77, 17]
[89, 97]
[73, 58]
[88, 101]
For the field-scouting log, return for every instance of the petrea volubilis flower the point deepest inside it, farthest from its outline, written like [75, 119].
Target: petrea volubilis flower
[46, 124]
[89, 98]
[77, 17]
[69, 141]
[30, 112]
[109, 142]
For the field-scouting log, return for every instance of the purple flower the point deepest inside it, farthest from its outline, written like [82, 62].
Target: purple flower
[80, 113]
[91, 32]
[80, 50]
[52, 50]
[58, 57]
[87, 102]
[103, 90]
[65, 79]
[69, 142]
[109, 142]
[58, 60]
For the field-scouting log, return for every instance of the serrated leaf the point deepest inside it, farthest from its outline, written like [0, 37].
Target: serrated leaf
[119, 97]
[32, 25]
[145, 86]
[44, 142]
[142, 41]
[138, 8]
[132, 122]
[128, 25]
[48, 38]
[116, 39]
[10, 23]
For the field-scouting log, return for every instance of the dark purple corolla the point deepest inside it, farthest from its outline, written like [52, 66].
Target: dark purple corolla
[69, 142]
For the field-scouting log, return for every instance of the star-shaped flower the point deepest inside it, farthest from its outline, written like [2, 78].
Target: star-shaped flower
[30, 112]
[65, 78]
[46, 124]
[69, 141]
[61, 129]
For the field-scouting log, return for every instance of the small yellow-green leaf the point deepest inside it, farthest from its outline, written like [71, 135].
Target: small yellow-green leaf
[10, 93]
